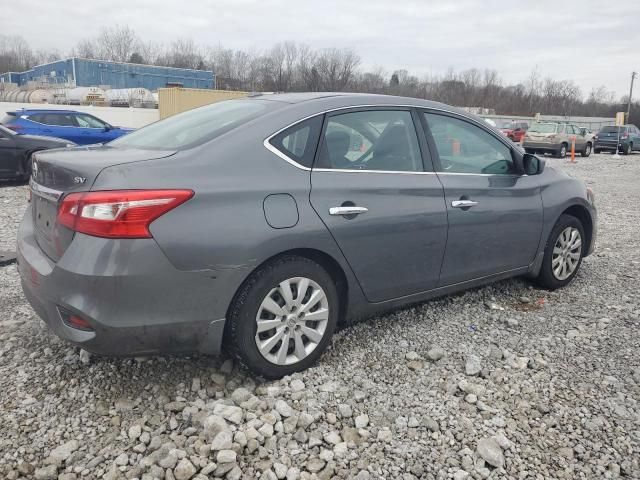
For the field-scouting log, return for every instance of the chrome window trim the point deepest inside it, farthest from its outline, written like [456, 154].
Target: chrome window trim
[267, 141]
[45, 192]
[346, 170]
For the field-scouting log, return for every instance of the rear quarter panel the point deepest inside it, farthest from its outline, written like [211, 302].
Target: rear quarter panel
[223, 227]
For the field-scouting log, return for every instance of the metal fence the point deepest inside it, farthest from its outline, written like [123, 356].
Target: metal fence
[592, 123]
[176, 100]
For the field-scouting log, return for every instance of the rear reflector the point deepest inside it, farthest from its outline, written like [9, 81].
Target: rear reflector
[74, 321]
[118, 213]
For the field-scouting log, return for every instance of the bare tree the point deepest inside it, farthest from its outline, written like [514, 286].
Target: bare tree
[117, 43]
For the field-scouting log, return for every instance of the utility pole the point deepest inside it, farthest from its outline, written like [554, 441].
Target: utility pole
[633, 76]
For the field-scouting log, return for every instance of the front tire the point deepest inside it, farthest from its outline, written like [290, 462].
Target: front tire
[283, 317]
[563, 253]
[587, 150]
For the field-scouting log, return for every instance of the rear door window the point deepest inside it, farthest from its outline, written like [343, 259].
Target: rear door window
[299, 142]
[381, 140]
[58, 119]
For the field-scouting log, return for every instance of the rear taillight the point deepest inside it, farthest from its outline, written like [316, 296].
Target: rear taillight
[118, 213]
[624, 135]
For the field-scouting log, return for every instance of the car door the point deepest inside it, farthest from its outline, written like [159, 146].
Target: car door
[635, 136]
[8, 155]
[495, 214]
[383, 205]
[581, 140]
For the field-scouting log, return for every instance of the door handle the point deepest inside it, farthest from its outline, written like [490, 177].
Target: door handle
[351, 210]
[463, 203]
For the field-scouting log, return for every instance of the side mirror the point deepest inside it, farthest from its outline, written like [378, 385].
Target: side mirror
[108, 128]
[532, 165]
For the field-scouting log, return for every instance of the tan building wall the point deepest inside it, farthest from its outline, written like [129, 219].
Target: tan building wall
[176, 100]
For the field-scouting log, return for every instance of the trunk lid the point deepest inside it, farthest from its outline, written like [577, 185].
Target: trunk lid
[59, 172]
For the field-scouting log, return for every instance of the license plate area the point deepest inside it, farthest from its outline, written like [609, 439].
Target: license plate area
[44, 214]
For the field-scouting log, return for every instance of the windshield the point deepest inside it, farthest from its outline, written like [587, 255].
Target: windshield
[194, 127]
[543, 128]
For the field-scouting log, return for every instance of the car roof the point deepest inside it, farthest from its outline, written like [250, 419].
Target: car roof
[347, 98]
[31, 111]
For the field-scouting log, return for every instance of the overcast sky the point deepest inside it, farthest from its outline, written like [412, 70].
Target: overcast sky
[592, 42]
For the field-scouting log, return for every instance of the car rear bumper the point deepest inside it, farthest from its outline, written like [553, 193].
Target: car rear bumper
[541, 146]
[608, 145]
[135, 300]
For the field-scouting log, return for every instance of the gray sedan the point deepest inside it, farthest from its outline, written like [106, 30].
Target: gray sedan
[258, 224]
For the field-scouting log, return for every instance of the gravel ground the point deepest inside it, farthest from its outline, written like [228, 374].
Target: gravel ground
[505, 381]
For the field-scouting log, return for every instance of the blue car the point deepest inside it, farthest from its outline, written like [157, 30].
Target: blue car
[78, 127]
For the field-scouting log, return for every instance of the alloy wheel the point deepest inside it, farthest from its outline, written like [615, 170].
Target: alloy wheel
[566, 253]
[291, 321]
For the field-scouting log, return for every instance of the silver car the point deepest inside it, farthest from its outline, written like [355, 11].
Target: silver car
[258, 224]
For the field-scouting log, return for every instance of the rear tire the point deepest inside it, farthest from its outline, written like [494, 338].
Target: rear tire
[587, 150]
[562, 152]
[26, 166]
[626, 150]
[596, 151]
[563, 247]
[289, 341]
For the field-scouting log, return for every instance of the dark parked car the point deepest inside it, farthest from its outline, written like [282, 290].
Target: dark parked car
[625, 139]
[16, 151]
[258, 224]
[78, 127]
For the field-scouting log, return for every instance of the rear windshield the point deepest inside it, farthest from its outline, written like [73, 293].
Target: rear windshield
[611, 129]
[194, 127]
[543, 128]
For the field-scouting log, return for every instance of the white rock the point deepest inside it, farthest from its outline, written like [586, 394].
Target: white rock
[362, 421]
[435, 354]
[222, 441]
[226, 456]
[293, 473]
[230, 413]
[134, 432]
[345, 410]
[85, 357]
[460, 475]
[184, 470]
[283, 408]
[64, 451]
[473, 366]
[280, 470]
[489, 450]
[297, 385]
[332, 437]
